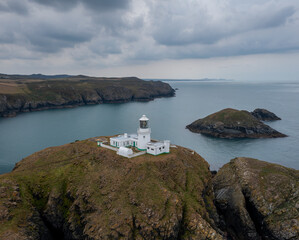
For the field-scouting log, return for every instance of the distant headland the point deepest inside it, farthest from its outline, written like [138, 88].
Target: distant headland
[193, 80]
[26, 93]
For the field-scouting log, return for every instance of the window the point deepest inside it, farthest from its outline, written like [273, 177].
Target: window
[143, 136]
[147, 147]
[143, 124]
[163, 147]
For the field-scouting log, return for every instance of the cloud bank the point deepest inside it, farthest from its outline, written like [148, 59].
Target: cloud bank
[78, 34]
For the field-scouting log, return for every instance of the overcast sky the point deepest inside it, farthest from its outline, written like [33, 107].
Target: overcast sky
[256, 40]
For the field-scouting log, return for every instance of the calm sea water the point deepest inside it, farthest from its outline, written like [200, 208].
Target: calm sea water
[31, 132]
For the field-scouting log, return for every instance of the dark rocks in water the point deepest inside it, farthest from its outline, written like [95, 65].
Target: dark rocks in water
[232, 123]
[264, 115]
[258, 200]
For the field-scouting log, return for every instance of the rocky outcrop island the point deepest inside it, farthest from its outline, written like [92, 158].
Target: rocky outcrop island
[84, 191]
[232, 123]
[264, 115]
[26, 93]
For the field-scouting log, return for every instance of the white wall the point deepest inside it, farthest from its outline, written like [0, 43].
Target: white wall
[144, 137]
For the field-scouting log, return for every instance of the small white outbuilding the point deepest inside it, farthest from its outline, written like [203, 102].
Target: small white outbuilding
[156, 148]
[124, 151]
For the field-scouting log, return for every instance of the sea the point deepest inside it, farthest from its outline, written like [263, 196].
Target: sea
[30, 132]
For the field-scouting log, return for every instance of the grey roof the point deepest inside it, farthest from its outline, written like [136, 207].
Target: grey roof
[155, 144]
[123, 138]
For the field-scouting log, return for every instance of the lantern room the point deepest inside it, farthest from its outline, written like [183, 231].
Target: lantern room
[144, 122]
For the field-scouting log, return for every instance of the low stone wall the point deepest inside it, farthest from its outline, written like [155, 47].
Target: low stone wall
[109, 147]
[137, 154]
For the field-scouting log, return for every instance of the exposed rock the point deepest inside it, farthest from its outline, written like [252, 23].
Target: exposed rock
[231, 123]
[81, 191]
[258, 200]
[264, 115]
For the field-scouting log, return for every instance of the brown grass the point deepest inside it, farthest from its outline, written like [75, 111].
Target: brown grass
[12, 88]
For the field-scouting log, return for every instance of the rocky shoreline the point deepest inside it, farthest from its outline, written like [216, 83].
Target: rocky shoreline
[89, 192]
[53, 94]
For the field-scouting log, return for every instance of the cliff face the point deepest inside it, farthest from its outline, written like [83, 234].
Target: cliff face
[25, 95]
[231, 123]
[258, 200]
[81, 191]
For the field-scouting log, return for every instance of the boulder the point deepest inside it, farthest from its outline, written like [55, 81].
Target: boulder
[264, 115]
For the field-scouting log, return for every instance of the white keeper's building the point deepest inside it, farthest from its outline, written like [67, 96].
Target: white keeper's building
[142, 140]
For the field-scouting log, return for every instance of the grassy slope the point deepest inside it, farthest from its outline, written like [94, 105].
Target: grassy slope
[229, 117]
[51, 89]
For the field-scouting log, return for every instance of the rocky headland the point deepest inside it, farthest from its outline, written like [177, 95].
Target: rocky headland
[232, 123]
[38, 92]
[82, 191]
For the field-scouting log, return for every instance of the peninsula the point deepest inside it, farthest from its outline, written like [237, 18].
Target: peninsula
[26, 93]
[232, 123]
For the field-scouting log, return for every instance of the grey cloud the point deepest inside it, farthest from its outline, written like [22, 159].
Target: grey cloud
[269, 19]
[98, 5]
[51, 39]
[278, 18]
[6, 37]
[14, 6]
[42, 35]
[199, 27]
[105, 46]
[112, 32]
[269, 41]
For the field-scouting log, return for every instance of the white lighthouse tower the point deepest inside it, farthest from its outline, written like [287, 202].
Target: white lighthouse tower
[144, 133]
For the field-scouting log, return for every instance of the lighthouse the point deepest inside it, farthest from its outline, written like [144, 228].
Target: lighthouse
[126, 144]
[143, 133]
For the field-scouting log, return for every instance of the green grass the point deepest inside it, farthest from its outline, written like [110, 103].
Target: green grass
[231, 116]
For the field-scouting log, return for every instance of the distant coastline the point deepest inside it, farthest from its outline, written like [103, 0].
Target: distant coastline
[27, 93]
[190, 80]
